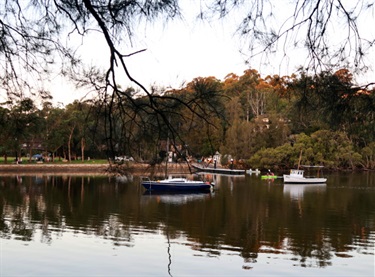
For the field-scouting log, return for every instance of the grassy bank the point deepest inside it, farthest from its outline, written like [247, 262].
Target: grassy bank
[11, 160]
[93, 166]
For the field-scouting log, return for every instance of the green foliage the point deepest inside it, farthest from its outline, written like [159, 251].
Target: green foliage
[368, 156]
[329, 148]
[331, 101]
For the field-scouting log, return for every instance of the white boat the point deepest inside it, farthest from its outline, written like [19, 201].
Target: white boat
[296, 176]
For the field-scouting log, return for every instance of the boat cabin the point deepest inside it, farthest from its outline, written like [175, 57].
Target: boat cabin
[296, 173]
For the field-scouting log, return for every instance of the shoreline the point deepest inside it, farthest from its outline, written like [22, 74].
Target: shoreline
[97, 169]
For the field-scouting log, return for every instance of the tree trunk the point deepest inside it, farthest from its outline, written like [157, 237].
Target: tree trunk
[83, 144]
[30, 148]
[69, 142]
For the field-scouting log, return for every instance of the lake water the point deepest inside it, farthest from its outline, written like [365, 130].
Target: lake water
[107, 226]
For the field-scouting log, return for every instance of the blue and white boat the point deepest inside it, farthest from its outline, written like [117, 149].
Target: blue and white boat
[176, 184]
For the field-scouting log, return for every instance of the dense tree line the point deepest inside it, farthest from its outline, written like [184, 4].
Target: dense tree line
[261, 122]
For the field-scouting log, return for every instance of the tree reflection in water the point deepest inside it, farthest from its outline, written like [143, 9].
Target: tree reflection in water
[244, 215]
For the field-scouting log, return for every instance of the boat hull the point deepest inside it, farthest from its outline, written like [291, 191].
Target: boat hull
[177, 186]
[213, 170]
[303, 180]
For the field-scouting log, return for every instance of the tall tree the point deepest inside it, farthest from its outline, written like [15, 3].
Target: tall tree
[204, 134]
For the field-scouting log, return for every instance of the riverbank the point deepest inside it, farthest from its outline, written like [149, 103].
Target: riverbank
[94, 168]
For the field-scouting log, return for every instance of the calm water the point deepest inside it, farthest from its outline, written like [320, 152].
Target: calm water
[101, 226]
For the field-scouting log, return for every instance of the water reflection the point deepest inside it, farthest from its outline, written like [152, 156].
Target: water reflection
[244, 217]
[176, 198]
[297, 191]
[123, 179]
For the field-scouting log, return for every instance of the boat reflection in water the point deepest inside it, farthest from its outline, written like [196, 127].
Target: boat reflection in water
[176, 198]
[297, 191]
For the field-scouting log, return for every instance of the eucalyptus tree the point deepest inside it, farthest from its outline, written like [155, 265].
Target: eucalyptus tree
[77, 119]
[253, 99]
[238, 134]
[55, 131]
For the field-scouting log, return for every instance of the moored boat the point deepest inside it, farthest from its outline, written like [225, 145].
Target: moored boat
[219, 170]
[296, 176]
[177, 184]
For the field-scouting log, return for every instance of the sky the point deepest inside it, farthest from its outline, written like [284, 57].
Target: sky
[175, 54]
[178, 52]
